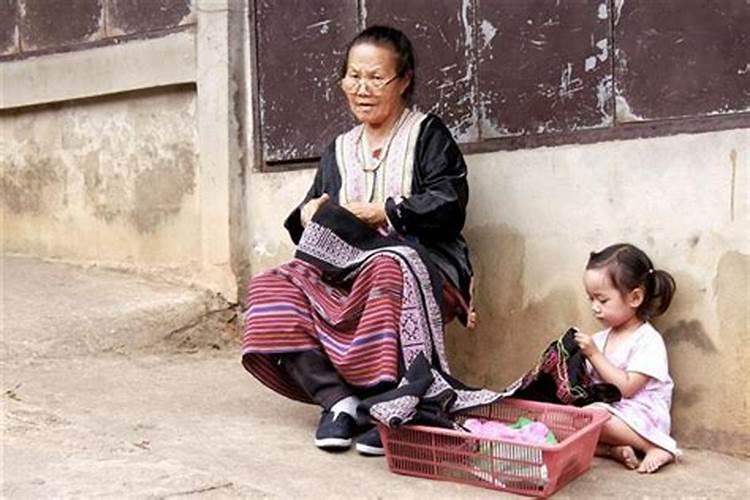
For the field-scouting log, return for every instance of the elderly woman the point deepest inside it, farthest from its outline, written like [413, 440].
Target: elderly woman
[380, 266]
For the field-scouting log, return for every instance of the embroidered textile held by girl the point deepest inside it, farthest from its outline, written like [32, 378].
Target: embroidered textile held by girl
[626, 291]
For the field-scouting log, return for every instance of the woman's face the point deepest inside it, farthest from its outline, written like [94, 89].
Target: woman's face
[368, 63]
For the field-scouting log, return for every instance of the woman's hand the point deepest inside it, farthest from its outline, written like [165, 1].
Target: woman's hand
[369, 213]
[586, 344]
[312, 206]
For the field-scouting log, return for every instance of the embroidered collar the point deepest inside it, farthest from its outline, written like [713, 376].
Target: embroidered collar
[370, 162]
[368, 179]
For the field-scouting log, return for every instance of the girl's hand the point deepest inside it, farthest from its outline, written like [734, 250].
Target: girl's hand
[586, 344]
[312, 206]
[369, 213]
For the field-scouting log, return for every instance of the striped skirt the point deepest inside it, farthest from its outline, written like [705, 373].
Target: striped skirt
[369, 330]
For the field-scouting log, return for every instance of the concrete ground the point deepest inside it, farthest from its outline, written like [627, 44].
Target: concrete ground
[117, 387]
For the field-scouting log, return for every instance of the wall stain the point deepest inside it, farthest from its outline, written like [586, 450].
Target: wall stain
[691, 332]
[159, 190]
[732, 283]
[513, 330]
[727, 441]
[707, 387]
[106, 192]
[733, 185]
[688, 397]
[24, 187]
[144, 196]
[93, 183]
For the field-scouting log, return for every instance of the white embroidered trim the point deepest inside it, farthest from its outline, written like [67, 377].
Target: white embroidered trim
[403, 408]
[396, 170]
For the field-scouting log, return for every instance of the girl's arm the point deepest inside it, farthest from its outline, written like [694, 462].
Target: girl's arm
[628, 382]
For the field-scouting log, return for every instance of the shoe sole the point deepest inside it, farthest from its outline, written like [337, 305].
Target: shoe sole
[334, 443]
[373, 451]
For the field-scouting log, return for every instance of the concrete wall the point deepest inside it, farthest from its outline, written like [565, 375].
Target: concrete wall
[108, 180]
[535, 215]
[120, 154]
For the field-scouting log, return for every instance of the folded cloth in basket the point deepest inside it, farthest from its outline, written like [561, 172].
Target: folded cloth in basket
[524, 430]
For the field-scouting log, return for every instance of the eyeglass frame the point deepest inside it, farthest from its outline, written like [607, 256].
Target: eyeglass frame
[367, 82]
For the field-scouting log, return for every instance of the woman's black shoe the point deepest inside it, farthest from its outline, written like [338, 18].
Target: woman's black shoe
[369, 444]
[335, 434]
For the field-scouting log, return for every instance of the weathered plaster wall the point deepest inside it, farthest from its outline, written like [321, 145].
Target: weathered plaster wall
[534, 217]
[125, 153]
[271, 196]
[108, 180]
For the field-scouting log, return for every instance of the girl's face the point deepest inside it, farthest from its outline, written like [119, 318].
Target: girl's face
[612, 308]
[369, 63]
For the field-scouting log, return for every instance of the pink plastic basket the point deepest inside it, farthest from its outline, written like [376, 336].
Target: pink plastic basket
[536, 470]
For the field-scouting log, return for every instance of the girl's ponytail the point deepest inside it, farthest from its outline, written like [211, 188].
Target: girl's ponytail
[660, 287]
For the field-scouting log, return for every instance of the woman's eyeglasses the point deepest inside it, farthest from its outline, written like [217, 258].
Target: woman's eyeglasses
[377, 84]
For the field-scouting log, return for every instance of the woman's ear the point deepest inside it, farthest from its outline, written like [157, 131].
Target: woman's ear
[405, 82]
[635, 297]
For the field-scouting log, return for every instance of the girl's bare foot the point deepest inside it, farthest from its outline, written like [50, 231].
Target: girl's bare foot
[655, 458]
[472, 320]
[625, 455]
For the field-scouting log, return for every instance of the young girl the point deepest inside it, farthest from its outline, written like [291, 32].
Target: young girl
[626, 292]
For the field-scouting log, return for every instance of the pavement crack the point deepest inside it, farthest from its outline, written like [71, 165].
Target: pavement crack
[198, 490]
[202, 318]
